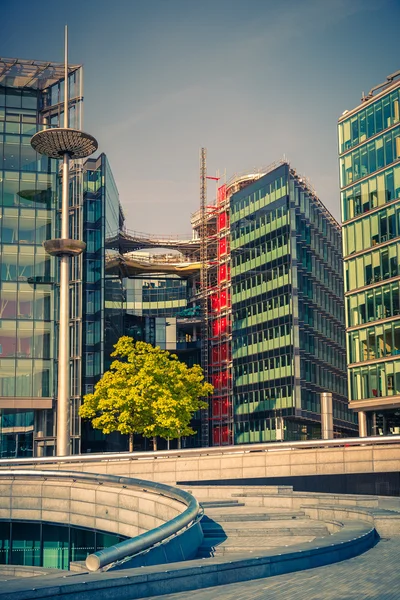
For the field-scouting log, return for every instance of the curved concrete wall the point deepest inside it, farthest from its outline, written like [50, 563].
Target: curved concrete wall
[160, 522]
[110, 508]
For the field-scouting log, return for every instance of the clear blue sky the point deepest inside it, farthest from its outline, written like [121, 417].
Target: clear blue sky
[249, 79]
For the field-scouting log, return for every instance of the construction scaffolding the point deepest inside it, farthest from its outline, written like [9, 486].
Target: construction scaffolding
[205, 435]
[212, 226]
[220, 327]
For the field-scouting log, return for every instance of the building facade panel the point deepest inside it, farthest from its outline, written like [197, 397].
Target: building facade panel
[287, 304]
[369, 147]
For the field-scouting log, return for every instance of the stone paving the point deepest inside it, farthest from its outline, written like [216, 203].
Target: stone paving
[374, 575]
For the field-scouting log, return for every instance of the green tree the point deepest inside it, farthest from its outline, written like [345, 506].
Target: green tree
[148, 391]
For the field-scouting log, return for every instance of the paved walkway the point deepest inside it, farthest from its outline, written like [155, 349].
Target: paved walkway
[375, 575]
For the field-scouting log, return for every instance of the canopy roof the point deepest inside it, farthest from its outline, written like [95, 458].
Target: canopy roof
[33, 74]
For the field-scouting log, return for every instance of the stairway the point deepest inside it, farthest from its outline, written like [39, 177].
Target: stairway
[232, 528]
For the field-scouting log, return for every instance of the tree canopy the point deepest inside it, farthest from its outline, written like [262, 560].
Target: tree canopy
[148, 391]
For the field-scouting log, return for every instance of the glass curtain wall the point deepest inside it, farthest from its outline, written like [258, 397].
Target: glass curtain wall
[31, 99]
[369, 147]
[49, 545]
[287, 306]
[103, 311]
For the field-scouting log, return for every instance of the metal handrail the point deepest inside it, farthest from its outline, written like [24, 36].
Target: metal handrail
[143, 542]
[215, 450]
[155, 545]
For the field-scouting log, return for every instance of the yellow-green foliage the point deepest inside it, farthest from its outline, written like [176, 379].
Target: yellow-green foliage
[147, 390]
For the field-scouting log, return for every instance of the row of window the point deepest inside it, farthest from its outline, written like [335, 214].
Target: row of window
[375, 381]
[21, 124]
[262, 197]
[251, 258]
[22, 301]
[319, 270]
[279, 331]
[373, 305]
[327, 380]
[23, 340]
[375, 191]
[331, 303]
[25, 377]
[316, 213]
[372, 267]
[274, 274]
[19, 263]
[375, 155]
[311, 401]
[260, 309]
[371, 230]
[247, 367]
[16, 153]
[377, 116]
[14, 98]
[378, 341]
[268, 400]
[258, 396]
[320, 350]
[333, 330]
[312, 237]
[30, 190]
[260, 223]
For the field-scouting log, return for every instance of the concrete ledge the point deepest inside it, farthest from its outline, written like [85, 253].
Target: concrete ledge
[130, 584]
[385, 522]
[23, 571]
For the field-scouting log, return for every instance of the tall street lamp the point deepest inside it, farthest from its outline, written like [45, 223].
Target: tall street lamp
[65, 143]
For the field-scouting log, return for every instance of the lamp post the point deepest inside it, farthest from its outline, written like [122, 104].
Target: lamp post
[65, 143]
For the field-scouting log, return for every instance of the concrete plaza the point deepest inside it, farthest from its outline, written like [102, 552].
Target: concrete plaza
[374, 575]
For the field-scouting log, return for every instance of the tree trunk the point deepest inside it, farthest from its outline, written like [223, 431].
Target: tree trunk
[154, 444]
[179, 443]
[131, 442]
[167, 443]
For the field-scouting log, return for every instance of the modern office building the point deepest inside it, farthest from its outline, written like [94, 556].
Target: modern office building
[275, 311]
[31, 95]
[288, 333]
[30, 99]
[369, 147]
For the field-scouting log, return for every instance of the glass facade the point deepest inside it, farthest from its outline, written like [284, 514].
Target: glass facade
[159, 296]
[29, 196]
[103, 292]
[49, 545]
[369, 147]
[288, 341]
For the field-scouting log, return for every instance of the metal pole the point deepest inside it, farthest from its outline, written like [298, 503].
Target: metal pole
[63, 396]
[326, 416]
[362, 423]
[66, 78]
[56, 142]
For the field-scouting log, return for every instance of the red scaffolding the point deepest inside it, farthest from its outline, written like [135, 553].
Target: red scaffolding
[220, 329]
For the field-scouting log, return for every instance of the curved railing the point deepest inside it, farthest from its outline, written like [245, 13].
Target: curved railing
[128, 548]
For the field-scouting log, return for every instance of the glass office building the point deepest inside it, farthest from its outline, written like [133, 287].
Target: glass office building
[30, 97]
[102, 289]
[369, 147]
[288, 333]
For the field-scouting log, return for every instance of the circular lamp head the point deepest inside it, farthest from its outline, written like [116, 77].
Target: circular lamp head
[58, 141]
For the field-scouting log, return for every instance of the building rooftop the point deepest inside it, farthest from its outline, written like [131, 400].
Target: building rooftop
[31, 74]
